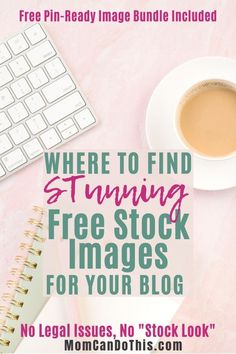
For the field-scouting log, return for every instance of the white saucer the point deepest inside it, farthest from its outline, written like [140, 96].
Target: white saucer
[160, 118]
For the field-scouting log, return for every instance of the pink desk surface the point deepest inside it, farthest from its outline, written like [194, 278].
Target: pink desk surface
[118, 66]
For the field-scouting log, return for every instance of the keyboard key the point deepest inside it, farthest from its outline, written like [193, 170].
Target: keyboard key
[35, 34]
[2, 172]
[58, 88]
[35, 102]
[67, 128]
[38, 78]
[50, 138]
[5, 76]
[19, 134]
[4, 122]
[14, 160]
[19, 66]
[4, 53]
[55, 68]
[21, 88]
[66, 124]
[84, 118]
[18, 44]
[5, 144]
[62, 109]
[17, 112]
[6, 98]
[69, 132]
[36, 124]
[33, 148]
[41, 53]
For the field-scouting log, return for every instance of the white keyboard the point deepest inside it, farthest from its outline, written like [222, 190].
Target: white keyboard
[41, 105]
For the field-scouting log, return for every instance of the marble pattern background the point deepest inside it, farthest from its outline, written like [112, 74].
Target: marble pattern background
[118, 66]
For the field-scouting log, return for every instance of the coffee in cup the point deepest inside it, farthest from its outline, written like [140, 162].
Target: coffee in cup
[206, 118]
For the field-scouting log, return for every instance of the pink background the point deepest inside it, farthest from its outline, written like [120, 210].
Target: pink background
[118, 66]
